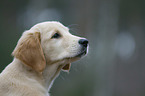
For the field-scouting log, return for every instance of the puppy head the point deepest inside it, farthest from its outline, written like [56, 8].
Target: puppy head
[49, 42]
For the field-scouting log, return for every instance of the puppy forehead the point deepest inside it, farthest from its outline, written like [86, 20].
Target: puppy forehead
[49, 26]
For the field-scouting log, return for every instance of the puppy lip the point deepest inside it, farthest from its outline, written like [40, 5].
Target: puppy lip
[82, 53]
[79, 54]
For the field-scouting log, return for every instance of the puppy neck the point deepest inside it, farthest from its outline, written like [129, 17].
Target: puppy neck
[51, 72]
[44, 78]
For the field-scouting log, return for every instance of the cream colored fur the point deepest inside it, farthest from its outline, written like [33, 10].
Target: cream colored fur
[38, 59]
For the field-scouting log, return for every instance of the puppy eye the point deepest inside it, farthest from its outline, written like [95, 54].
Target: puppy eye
[56, 35]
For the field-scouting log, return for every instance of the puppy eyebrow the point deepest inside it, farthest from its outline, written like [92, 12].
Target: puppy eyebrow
[56, 31]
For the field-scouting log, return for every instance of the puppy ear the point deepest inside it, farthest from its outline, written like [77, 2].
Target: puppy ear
[67, 67]
[30, 52]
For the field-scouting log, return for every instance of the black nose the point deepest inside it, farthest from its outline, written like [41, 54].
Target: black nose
[84, 42]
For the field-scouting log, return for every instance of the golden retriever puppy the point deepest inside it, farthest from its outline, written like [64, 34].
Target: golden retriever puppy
[41, 53]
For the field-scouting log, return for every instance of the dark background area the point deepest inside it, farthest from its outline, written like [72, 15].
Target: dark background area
[116, 33]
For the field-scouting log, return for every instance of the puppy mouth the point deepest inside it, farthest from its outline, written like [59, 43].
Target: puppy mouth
[77, 56]
[74, 58]
[82, 53]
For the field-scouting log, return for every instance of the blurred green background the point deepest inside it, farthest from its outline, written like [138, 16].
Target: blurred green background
[115, 65]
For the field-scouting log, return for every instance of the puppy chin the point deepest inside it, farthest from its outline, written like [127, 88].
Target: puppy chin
[78, 56]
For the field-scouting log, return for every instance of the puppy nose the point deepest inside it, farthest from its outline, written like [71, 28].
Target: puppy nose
[83, 42]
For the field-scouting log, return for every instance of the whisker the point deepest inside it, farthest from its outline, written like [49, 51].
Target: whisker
[73, 28]
[61, 76]
[72, 25]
